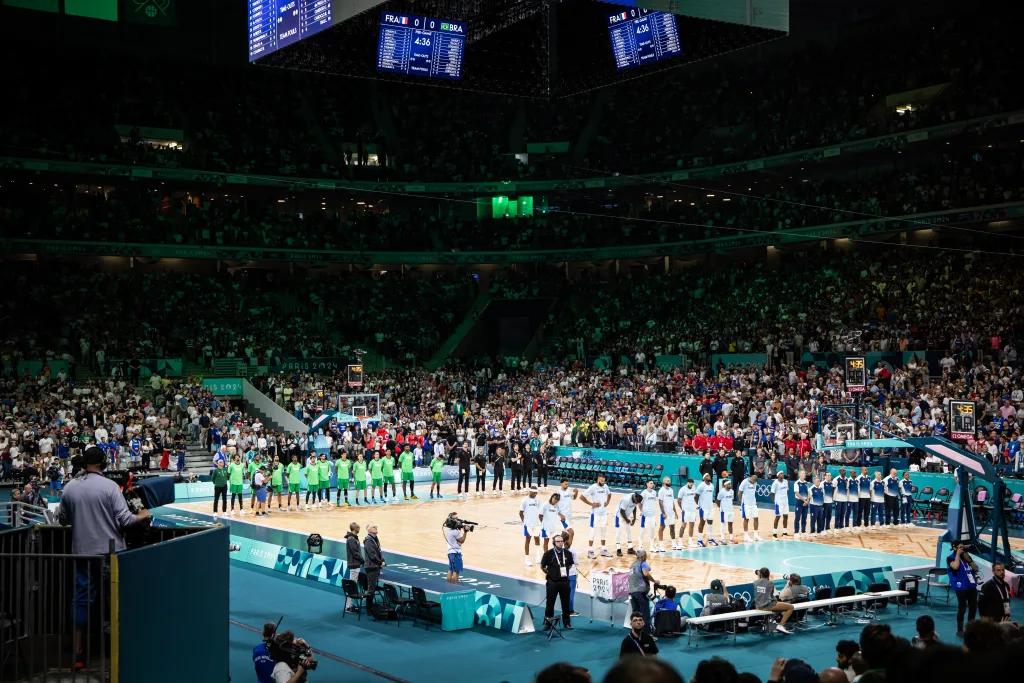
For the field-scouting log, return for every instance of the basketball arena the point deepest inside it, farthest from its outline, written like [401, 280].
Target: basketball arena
[522, 341]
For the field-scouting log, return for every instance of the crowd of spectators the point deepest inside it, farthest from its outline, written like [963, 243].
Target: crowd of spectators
[956, 177]
[90, 317]
[878, 655]
[794, 97]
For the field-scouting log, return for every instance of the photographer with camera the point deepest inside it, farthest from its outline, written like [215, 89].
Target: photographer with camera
[963, 580]
[293, 657]
[454, 535]
[640, 580]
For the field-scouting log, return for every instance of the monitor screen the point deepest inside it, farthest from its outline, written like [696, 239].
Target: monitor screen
[420, 46]
[642, 36]
[274, 24]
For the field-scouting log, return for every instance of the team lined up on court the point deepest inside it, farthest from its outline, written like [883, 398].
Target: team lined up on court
[824, 506]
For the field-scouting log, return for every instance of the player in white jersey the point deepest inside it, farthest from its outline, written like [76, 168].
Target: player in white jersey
[650, 511]
[780, 492]
[688, 507]
[529, 515]
[625, 518]
[725, 511]
[667, 503]
[551, 520]
[598, 496]
[705, 510]
[566, 497]
[748, 506]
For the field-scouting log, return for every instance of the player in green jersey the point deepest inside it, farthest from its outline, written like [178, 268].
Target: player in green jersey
[254, 466]
[324, 493]
[276, 482]
[312, 472]
[376, 476]
[343, 466]
[235, 472]
[295, 483]
[359, 477]
[387, 470]
[436, 468]
[405, 460]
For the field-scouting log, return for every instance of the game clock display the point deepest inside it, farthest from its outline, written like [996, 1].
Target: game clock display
[420, 46]
[642, 36]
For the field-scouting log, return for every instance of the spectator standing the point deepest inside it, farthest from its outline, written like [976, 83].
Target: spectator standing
[374, 560]
[353, 556]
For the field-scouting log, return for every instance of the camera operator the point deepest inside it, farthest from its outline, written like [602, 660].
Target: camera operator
[98, 514]
[293, 656]
[454, 536]
[963, 579]
[261, 659]
[640, 581]
[795, 591]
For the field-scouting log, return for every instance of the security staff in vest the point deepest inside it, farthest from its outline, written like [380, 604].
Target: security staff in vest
[556, 563]
[994, 602]
[98, 514]
[963, 580]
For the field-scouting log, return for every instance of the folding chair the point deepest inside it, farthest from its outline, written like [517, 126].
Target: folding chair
[355, 596]
[399, 603]
[922, 501]
[423, 605]
[939, 505]
[937, 578]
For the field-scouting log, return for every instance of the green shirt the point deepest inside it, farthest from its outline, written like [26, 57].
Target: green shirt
[235, 470]
[436, 465]
[253, 466]
[276, 477]
[220, 477]
[388, 465]
[343, 466]
[294, 472]
[375, 468]
[406, 460]
[313, 474]
[359, 470]
[325, 471]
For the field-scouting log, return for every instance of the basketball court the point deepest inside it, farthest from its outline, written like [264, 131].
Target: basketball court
[412, 529]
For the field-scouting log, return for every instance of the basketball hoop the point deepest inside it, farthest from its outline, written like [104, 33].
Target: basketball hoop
[363, 421]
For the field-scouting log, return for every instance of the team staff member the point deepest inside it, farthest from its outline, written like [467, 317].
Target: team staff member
[461, 456]
[529, 515]
[354, 556]
[96, 510]
[780, 494]
[829, 489]
[638, 641]
[864, 498]
[892, 499]
[994, 601]
[906, 500]
[598, 496]
[817, 507]
[480, 461]
[498, 475]
[556, 564]
[454, 538]
[802, 493]
[877, 500]
[220, 487]
[666, 501]
[963, 580]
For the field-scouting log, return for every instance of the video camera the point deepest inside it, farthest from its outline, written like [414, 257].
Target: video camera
[294, 653]
[459, 524]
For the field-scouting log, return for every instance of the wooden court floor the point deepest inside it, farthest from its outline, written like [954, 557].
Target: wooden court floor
[414, 529]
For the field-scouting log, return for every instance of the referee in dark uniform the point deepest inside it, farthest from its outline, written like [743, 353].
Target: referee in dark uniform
[556, 563]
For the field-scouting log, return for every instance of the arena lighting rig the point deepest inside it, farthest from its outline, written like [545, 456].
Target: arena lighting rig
[528, 48]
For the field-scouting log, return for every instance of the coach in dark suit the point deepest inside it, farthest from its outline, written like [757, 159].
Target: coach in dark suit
[374, 560]
[556, 563]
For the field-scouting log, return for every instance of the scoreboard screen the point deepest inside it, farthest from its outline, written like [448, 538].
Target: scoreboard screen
[642, 36]
[274, 24]
[420, 46]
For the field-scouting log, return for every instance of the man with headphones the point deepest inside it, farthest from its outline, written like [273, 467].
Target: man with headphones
[98, 514]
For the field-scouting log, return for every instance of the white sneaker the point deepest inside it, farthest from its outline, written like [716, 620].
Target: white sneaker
[757, 537]
[747, 538]
[590, 555]
[690, 543]
[528, 562]
[605, 552]
[782, 629]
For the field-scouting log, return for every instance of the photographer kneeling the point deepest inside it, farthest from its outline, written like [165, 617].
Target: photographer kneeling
[294, 658]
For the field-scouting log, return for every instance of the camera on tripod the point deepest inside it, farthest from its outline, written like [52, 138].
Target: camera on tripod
[453, 522]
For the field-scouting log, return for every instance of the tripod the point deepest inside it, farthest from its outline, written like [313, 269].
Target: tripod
[553, 627]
